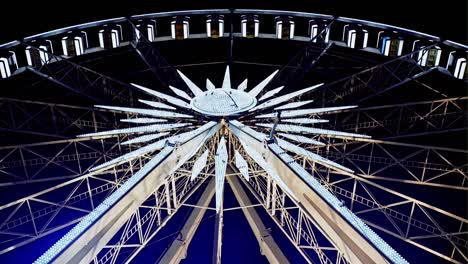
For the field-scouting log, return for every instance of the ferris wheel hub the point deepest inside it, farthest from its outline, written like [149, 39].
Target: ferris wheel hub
[223, 102]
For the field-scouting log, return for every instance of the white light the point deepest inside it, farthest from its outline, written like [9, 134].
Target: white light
[137, 31]
[79, 46]
[28, 56]
[351, 38]
[400, 47]
[366, 37]
[257, 89]
[227, 79]
[242, 165]
[209, 85]
[120, 32]
[243, 85]
[4, 68]
[244, 28]
[267, 167]
[193, 87]
[301, 139]
[284, 98]
[208, 28]
[115, 38]
[150, 112]
[344, 32]
[279, 29]
[460, 68]
[85, 35]
[186, 29]
[64, 46]
[166, 97]
[221, 28]
[173, 33]
[43, 55]
[101, 38]
[150, 32]
[438, 53]
[223, 102]
[313, 32]
[143, 120]
[180, 93]
[140, 129]
[199, 165]
[312, 130]
[256, 27]
[221, 159]
[316, 158]
[157, 104]
[386, 44]
[271, 93]
[293, 105]
[291, 29]
[304, 120]
[145, 138]
[302, 112]
[13, 57]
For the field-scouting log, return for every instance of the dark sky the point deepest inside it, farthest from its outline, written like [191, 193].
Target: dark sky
[447, 19]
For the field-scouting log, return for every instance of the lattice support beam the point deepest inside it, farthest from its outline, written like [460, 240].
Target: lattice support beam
[268, 246]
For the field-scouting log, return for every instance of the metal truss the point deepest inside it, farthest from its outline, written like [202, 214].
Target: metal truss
[379, 164]
[81, 80]
[152, 215]
[406, 119]
[300, 229]
[374, 80]
[304, 60]
[51, 119]
[159, 66]
[55, 208]
[54, 160]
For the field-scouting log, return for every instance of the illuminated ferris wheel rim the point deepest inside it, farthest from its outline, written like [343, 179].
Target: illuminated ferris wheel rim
[355, 35]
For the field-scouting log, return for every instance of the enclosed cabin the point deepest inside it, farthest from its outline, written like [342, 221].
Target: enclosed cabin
[38, 53]
[110, 36]
[355, 36]
[456, 64]
[250, 26]
[319, 31]
[390, 43]
[284, 27]
[215, 26]
[429, 57]
[180, 27]
[8, 63]
[145, 28]
[75, 43]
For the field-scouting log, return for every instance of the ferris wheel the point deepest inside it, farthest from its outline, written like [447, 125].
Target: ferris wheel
[178, 136]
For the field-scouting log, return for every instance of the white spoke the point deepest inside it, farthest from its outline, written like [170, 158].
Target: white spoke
[257, 89]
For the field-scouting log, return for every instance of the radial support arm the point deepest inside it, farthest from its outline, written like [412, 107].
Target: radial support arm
[178, 249]
[350, 236]
[268, 246]
[96, 229]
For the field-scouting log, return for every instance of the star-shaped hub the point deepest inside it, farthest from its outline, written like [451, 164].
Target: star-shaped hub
[223, 102]
[189, 122]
